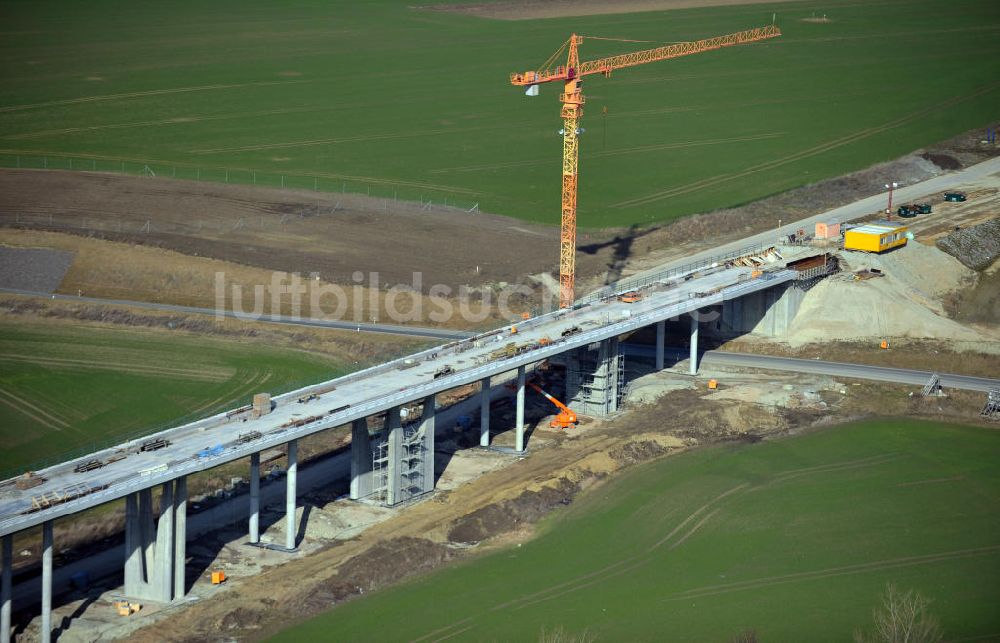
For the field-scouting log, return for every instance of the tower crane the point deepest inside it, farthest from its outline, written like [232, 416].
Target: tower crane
[571, 75]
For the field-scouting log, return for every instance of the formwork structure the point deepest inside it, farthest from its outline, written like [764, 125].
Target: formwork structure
[595, 378]
[992, 408]
[402, 460]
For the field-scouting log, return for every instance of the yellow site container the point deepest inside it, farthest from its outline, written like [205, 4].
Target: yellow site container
[875, 237]
[218, 577]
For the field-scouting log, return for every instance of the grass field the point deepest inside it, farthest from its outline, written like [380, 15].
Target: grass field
[65, 387]
[795, 539]
[381, 97]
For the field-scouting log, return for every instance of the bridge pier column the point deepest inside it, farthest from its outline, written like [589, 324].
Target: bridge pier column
[291, 478]
[155, 556]
[394, 428]
[361, 459]
[147, 535]
[484, 412]
[5, 587]
[519, 427]
[661, 333]
[429, 427]
[163, 576]
[180, 537]
[694, 343]
[46, 633]
[254, 498]
[134, 547]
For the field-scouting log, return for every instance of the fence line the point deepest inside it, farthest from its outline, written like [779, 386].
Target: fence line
[390, 194]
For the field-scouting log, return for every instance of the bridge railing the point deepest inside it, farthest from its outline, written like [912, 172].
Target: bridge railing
[643, 281]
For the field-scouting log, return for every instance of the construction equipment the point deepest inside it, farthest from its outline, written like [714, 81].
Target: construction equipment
[884, 344]
[713, 385]
[571, 75]
[443, 371]
[572, 330]
[566, 417]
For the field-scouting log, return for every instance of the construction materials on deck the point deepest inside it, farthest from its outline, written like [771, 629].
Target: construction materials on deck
[261, 404]
[153, 445]
[28, 480]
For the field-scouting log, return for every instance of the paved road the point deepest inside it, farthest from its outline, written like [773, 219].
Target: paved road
[938, 184]
[386, 329]
[819, 367]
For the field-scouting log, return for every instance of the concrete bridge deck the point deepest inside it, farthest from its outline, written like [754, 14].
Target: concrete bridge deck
[370, 392]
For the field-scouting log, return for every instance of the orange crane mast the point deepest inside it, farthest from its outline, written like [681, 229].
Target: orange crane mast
[572, 100]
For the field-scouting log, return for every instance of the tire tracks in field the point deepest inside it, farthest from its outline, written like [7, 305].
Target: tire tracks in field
[27, 408]
[152, 92]
[195, 374]
[343, 139]
[803, 154]
[433, 187]
[256, 381]
[830, 572]
[177, 120]
[611, 153]
[700, 516]
[599, 575]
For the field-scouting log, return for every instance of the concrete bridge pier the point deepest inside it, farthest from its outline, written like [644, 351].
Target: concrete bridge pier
[254, 498]
[484, 412]
[595, 378]
[180, 537]
[361, 459]
[519, 442]
[46, 632]
[428, 426]
[5, 587]
[694, 343]
[394, 454]
[155, 556]
[661, 333]
[291, 478]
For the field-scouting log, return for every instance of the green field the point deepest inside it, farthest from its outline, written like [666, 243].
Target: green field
[795, 539]
[377, 96]
[65, 388]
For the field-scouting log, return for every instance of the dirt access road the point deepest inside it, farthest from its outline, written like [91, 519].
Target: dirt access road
[300, 231]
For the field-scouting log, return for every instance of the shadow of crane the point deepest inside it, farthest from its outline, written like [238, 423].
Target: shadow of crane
[622, 247]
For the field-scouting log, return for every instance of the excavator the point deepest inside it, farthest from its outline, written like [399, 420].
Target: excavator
[566, 417]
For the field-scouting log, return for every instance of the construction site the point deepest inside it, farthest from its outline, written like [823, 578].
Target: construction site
[218, 407]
